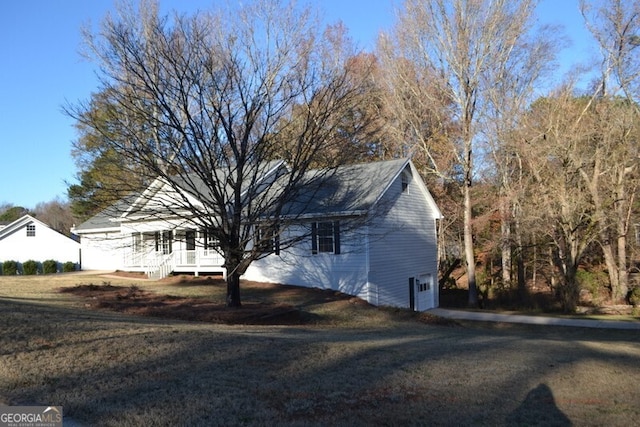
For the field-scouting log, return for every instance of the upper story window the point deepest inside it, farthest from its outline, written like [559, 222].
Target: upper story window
[31, 230]
[325, 237]
[405, 179]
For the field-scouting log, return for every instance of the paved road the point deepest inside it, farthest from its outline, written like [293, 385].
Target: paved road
[532, 320]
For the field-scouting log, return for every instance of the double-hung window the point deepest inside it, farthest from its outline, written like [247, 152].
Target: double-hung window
[31, 230]
[211, 242]
[136, 243]
[268, 239]
[164, 241]
[325, 237]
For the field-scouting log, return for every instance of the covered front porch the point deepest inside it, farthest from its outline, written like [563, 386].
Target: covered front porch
[160, 253]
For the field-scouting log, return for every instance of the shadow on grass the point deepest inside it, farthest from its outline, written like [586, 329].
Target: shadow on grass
[119, 370]
[539, 409]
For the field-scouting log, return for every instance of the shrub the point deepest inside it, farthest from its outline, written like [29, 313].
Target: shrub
[68, 267]
[50, 266]
[10, 268]
[30, 267]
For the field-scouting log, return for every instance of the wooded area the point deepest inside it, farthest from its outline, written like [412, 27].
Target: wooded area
[537, 184]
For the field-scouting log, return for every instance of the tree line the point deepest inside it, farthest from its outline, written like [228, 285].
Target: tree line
[535, 182]
[55, 213]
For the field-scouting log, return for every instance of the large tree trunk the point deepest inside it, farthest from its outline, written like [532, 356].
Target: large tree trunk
[619, 293]
[611, 264]
[523, 294]
[505, 243]
[234, 266]
[569, 291]
[615, 255]
[233, 289]
[468, 247]
[567, 259]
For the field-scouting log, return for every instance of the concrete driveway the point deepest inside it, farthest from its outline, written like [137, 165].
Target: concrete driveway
[482, 316]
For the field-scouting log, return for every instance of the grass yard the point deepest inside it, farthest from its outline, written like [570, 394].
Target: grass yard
[346, 364]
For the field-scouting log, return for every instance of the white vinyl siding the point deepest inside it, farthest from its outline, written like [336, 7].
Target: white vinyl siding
[298, 266]
[406, 224]
[376, 260]
[104, 251]
[36, 241]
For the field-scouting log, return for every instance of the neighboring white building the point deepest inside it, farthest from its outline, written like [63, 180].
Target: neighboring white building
[30, 239]
[370, 233]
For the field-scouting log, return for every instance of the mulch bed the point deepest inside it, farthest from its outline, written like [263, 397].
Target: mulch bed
[133, 300]
[136, 301]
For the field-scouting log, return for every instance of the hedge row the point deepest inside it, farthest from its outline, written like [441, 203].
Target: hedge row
[31, 267]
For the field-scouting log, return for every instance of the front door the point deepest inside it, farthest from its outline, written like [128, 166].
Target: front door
[190, 239]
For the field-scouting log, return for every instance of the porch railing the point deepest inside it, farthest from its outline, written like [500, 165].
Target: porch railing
[158, 266]
[198, 258]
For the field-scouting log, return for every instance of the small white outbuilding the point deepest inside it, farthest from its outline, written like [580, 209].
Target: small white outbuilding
[30, 239]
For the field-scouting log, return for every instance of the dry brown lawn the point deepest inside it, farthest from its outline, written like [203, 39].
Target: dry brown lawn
[338, 362]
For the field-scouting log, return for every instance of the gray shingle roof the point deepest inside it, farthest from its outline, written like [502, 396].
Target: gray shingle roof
[347, 189]
[103, 219]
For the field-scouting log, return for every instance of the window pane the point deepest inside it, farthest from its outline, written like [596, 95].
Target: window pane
[210, 241]
[325, 237]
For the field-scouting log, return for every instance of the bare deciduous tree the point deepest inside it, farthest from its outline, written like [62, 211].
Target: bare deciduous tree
[559, 204]
[206, 103]
[614, 177]
[615, 24]
[56, 214]
[508, 101]
[463, 48]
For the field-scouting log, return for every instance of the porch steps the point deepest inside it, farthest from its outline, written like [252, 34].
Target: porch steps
[162, 269]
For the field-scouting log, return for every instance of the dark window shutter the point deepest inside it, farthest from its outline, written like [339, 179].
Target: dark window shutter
[314, 238]
[412, 293]
[336, 237]
[276, 239]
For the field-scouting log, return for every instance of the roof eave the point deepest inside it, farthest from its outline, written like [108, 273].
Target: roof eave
[332, 214]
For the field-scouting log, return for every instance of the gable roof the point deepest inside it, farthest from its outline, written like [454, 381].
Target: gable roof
[356, 189]
[347, 190]
[23, 221]
[196, 188]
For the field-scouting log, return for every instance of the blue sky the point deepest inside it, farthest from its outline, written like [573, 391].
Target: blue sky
[42, 70]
